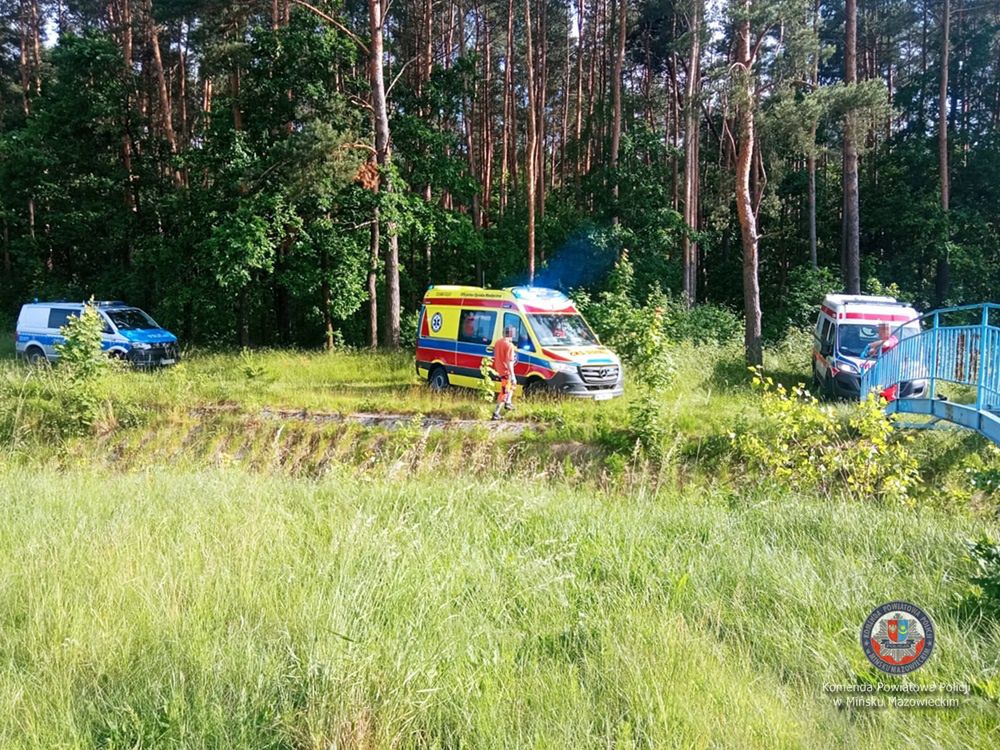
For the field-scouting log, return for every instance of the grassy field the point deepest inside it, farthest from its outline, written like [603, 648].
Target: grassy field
[244, 566]
[220, 609]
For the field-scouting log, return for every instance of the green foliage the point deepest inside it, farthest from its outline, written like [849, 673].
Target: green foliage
[805, 445]
[635, 331]
[702, 324]
[984, 554]
[81, 358]
[488, 375]
[800, 302]
[252, 366]
[647, 425]
[41, 405]
[81, 365]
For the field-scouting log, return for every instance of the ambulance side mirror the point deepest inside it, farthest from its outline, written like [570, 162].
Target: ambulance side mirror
[826, 349]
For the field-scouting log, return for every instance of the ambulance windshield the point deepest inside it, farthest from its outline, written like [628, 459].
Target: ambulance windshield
[561, 330]
[855, 339]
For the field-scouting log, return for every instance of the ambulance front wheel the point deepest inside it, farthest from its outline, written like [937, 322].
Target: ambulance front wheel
[438, 379]
[536, 387]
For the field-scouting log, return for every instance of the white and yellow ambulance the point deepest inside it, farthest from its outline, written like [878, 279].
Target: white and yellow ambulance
[556, 349]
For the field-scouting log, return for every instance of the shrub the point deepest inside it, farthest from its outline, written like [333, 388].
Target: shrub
[800, 300]
[985, 557]
[408, 330]
[489, 376]
[804, 445]
[647, 425]
[81, 358]
[81, 364]
[50, 404]
[634, 330]
[702, 324]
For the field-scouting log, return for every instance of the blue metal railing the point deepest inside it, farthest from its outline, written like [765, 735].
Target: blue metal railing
[958, 345]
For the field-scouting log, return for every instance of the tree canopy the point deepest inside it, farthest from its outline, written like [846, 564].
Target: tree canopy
[226, 165]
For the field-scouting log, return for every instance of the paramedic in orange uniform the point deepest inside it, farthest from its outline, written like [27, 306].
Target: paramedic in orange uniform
[504, 357]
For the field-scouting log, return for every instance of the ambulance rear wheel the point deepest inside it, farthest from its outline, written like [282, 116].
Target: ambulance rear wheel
[438, 379]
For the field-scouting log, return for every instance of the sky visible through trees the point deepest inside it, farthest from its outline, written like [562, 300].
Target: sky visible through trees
[287, 172]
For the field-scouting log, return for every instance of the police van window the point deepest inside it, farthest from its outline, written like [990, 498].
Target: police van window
[58, 317]
[476, 326]
[521, 338]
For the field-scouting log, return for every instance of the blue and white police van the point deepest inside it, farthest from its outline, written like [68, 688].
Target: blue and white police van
[129, 333]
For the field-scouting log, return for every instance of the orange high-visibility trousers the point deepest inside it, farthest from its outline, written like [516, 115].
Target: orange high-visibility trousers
[506, 393]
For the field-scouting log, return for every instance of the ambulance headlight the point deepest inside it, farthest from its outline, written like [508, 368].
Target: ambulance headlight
[142, 345]
[847, 367]
[567, 367]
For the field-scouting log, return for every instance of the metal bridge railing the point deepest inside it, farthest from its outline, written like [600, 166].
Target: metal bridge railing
[966, 353]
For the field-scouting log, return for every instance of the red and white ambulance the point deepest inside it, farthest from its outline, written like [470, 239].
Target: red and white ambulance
[847, 339]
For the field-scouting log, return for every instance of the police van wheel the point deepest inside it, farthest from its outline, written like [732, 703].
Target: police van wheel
[35, 357]
[438, 379]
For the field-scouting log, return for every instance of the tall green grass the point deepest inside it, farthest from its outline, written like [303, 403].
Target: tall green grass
[220, 609]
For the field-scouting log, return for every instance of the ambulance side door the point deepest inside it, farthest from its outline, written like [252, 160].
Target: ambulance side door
[825, 333]
[522, 342]
[477, 330]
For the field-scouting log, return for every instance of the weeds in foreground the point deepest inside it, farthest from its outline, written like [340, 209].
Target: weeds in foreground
[804, 444]
[45, 403]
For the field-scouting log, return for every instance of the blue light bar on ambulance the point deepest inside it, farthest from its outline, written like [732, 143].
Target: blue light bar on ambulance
[538, 293]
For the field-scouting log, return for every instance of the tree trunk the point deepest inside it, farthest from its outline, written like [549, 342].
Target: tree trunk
[36, 46]
[531, 156]
[852, 228]
[591, 87]
[811, 168]
[373, 254]
[674, 110]
[942, 277]
[327, 300]
[166, 116]
[616, 104]
[744, 200]
[508, 156]
[541, 128]
[578, 131]
[564, 130]
[383, 154]
[691, 143]
[24, 65]
[487, 120]
[811, 157]
[182, 94]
